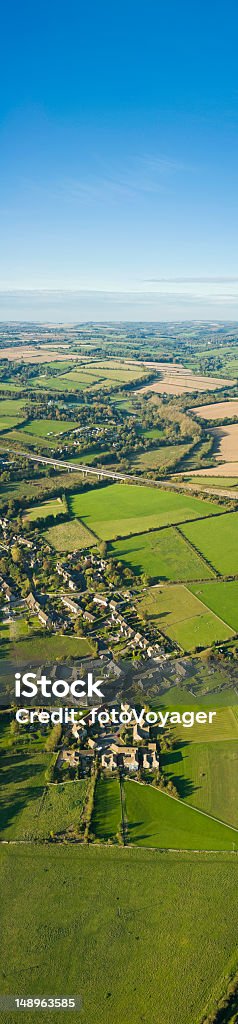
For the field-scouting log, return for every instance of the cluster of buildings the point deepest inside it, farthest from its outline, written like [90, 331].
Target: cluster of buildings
[111, 752]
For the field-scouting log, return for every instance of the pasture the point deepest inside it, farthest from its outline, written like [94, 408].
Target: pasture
[52, 507]
[58, 810]
[181, 614]
[156, 819]
[12, 407]
[216, 539]
[158, 458]
[214, 481]
[221, 598]
[9, 422]
[46, 428]
[22, 788]
[108, 914]
[47, 649]
[118, 510]
[205, 776]
[69, 536]
[106, 818]
[161, 554]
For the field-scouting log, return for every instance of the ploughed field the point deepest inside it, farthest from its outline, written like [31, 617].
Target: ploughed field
[217, 410]
[134, 933]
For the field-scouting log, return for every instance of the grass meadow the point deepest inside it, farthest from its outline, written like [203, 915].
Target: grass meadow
[222, 598]
[205, 775]
[118, 509]
[69, 536]
[136, 935]
[161, 554]
[216, 538]
[180, 613]
[156, 819]
[49, 648]
[45, 428]
[106, 819]
[53, 507]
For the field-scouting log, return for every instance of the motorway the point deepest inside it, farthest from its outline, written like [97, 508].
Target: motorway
[111, 474]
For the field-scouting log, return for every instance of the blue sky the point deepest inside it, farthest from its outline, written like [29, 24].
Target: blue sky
[119, 158]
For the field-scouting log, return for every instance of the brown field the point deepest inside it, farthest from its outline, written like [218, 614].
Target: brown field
[220, 469]
[226, 442]
[30, 354]
[177, 380]
[217, 411]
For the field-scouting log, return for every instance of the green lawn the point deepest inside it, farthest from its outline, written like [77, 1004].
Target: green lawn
[90, 919]
[106, 819]
[182, 616]
[217, 540]
[162, 554]
[222, 598]
[52, 507]
[70, 536]
[205, 775]
[155, 819]
[119, 509]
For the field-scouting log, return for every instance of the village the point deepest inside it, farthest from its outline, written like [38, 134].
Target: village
[112, 749]
[84, 594]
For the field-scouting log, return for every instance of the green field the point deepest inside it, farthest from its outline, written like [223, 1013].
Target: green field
[214, 481]
[205, 775]
[58, 810]
[118, 509]
[158, 458]
[70, 536]
[106, 819]
[161, 554]
[44, 428]
[181, 615]
[63, 382]
[49, 648]
[9, 422]
[88, 918]
[155, 819]
[29, 808]
[12, 407]
[22, 788]
[52, 507]
[222, 598]
[217, 541]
